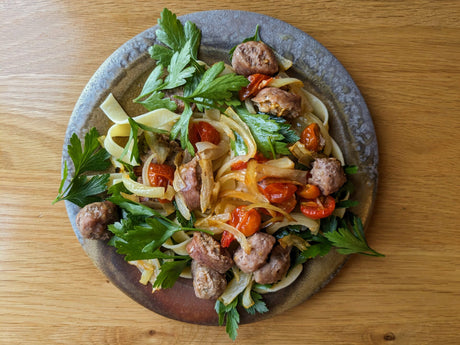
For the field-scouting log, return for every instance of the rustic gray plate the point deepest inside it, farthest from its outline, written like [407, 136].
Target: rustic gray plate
[351, 125]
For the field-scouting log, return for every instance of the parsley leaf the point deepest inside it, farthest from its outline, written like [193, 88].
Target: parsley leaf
[133, 140]
[271, 135]
[178, 69]
[350, 238]
[83, 190]
[229, 315]
[238, 145]
[218, 88]
[259, 304]
[169, 273]
[174, 35]
[181, 127]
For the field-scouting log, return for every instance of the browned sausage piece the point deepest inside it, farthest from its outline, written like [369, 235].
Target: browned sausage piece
[207, 283]
[275, 101]
[208, 252]
[276, 268]
[261, 245]
[191, 174]
[92, 220]
[327, 174]
[254, 57]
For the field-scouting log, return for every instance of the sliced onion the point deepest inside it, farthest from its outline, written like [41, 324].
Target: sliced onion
[251, 181]
[146, 191]
[283, 162]
[145, 170]
[235, 287]
[283, 62]
[303, 155]
[291, 276]
[235, 232]
[298, 219]
[249, 106]
[271, 207]
[337, 152]
[207, 184]
[158, 147]
[247, 300]
[273, 171]
[179, 248]
[281, 82]
[182, 206]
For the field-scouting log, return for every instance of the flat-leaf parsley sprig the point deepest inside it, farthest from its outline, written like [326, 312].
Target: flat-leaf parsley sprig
[83, 190]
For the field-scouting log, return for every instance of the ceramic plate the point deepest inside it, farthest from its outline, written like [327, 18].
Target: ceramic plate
[351, 126]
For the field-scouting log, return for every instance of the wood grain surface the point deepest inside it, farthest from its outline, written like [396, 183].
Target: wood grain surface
[403, 55]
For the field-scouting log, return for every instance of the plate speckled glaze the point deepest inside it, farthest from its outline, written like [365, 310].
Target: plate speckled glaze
[351, 126]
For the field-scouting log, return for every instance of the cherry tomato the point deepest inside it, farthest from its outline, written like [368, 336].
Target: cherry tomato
[289, 205]
[308, 191]
[160, 175]
[246, 221]
[318, 208]
[203, 131]
[277, 192]
[226, 239]
[256, 83]
[310, 137]
[260, 158]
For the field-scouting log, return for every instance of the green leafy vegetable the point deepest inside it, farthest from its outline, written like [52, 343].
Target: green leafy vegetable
[259, 304]
[229, 315]
[174, 35]
[238, 145]
[218, 89]
[272, 136]
[92, 157]
[170, 272]
[181, 128]
[133, 140]
[349, 238]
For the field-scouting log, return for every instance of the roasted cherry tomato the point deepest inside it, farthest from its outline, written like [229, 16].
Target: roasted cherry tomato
[308, 191]
[277, 192]
[318, 208]
[160, 175]
[203, 131]
[226, 239]
[256, 83]
[289, 205]
[260, 158]
[246, 221]
[310, 137]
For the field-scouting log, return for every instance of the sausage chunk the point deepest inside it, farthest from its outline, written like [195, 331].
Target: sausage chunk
[254, 57]
[191, 174]
[275, 101]
[208, 252]
[276, 268]
[261, 245]
[92, 220]
[327, 174]
[207, 283]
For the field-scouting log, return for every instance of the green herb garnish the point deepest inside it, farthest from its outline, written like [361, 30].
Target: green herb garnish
[82, 189]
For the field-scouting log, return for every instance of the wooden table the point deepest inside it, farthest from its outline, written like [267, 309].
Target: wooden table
[403, 55]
